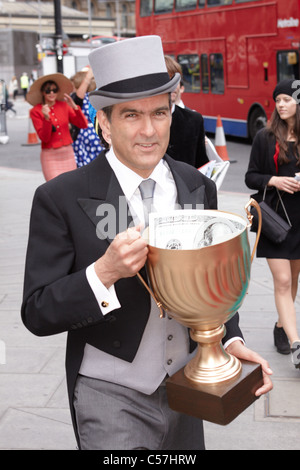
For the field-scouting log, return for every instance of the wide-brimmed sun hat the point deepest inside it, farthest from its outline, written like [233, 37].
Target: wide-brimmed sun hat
[35, 96]
[129, 70]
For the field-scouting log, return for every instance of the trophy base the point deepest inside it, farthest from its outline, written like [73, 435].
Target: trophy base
[218, 403]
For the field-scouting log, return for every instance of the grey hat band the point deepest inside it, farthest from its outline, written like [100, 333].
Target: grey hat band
[138, 84]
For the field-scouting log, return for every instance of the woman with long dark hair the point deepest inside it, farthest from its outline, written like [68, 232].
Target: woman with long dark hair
[275, 164]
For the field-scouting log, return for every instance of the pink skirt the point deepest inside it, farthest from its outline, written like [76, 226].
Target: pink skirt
[57, 161]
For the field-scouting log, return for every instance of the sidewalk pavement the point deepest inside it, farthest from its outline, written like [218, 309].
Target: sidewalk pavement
[34, 412]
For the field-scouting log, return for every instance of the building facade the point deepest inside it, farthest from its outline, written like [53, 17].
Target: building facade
[122, 11]
[80, 19]
[35, 23]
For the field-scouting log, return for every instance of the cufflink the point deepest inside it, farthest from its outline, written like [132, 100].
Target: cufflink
[104, 304]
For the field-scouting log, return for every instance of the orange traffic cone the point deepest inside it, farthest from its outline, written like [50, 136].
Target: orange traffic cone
[220, 142]
[32, 138]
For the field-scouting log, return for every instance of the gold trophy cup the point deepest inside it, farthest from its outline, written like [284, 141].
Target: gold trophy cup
[202, 289]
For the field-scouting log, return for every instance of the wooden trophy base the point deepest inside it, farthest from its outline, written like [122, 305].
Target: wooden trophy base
[218, 403]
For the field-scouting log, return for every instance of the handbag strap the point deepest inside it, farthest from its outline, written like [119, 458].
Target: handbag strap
[280, 198]
[265, 190]
[283, 206]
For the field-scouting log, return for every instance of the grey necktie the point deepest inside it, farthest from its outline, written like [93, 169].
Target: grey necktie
[147, 190]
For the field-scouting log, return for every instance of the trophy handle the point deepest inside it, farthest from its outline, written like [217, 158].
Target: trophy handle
[255, 204]
[159, 304]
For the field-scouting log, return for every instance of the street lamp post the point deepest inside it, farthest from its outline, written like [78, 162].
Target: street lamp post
[58, 36]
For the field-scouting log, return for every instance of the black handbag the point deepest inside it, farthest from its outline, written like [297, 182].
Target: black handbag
[274, 227]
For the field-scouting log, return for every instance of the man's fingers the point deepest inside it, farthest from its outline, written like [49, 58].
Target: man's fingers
[131, 234]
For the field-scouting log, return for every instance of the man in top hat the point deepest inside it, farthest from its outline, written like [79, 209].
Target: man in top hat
[82, 263]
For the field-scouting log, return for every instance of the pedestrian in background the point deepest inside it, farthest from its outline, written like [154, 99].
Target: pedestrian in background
[54, 110]
[274, 163]
[24, 83]
[178, 95]
[13, 87]
[9, 106]
[187, 136]
[86, 142]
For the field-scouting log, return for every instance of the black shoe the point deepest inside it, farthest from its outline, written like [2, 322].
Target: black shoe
[295, 350]
[281, 340]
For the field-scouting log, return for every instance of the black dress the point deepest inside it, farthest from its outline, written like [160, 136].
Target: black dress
[290, 248]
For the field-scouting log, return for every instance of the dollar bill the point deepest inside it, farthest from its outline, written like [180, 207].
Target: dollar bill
[192, 229]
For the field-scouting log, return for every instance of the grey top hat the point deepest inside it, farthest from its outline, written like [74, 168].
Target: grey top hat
[129, 70]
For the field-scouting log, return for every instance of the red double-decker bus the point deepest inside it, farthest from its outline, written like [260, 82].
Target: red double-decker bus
[232, 53]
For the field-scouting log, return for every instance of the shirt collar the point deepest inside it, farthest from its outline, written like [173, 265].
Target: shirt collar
[129, 180]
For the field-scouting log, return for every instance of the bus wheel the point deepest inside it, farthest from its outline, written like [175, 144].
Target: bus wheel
[257, 121]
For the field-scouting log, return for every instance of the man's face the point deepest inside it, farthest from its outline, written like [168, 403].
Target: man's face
[139, 132]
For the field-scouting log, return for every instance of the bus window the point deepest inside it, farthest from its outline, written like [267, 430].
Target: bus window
[244, 1]
[216, 74]
[213, 3]
[204, 73]
[190, 72]
[145, 8]
[163, 6]
[181, 5]
[287, 65]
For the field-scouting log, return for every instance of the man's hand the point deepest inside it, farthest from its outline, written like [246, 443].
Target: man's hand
[239, 350]
[125, 256]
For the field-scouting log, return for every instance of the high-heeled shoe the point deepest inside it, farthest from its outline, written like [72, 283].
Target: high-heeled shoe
[281, 340]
